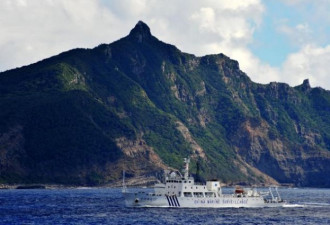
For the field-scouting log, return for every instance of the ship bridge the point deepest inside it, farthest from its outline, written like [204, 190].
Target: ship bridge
[184, 186]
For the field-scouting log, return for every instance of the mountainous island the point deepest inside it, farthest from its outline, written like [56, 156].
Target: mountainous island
[141, 105]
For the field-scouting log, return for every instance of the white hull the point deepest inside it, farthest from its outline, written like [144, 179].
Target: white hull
[181, 191]
[141, 199]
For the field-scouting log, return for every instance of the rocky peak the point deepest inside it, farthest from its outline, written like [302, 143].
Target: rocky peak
[306, 84]
[140, 32]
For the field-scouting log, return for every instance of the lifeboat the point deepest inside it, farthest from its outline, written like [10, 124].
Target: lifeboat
[239, 190]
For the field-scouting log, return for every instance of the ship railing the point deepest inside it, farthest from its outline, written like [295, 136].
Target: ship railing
[264, 193]
[275, 196]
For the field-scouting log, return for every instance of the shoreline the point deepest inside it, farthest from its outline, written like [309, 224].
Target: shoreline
[61, 186]
[138, 182]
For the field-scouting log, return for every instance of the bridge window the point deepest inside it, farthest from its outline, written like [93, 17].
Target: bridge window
[198, 194]
[187, 194]
[210, 194]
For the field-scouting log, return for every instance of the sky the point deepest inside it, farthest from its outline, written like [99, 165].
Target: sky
[273, 40]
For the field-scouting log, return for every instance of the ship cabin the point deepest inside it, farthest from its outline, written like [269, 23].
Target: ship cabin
[188, 188]
[185, 186]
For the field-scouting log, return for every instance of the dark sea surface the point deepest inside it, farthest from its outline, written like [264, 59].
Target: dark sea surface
[106, 206]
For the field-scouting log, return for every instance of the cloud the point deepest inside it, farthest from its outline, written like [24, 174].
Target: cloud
[314, 14]
[299, 35]
[36, 29]
[309, 33]
[310, 62]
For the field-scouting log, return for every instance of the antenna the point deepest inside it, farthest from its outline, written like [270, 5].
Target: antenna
[271, 193]
[186, 169]
[124, 184]
[278, 194]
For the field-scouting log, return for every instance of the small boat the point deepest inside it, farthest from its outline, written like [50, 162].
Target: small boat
[182, 191]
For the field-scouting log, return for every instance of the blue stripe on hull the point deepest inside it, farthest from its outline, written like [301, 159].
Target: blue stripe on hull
[171, 200]
[169, 204]
[177, 201]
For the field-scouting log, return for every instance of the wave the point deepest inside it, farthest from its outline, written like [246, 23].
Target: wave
[294, 206]
[316, 204]
[306, 204]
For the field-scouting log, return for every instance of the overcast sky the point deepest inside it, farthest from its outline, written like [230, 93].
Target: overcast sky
[273, 40]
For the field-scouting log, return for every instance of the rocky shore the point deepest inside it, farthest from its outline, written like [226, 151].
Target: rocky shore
[139, 181]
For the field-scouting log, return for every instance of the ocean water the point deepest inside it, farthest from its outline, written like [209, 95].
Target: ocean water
[106, 206]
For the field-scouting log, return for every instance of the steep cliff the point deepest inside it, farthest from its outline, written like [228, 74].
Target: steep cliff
[139, 104]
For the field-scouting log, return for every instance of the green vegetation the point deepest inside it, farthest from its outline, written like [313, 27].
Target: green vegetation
[60, 118]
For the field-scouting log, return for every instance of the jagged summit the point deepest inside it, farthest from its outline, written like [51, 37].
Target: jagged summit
[140, 32]
[306, 84]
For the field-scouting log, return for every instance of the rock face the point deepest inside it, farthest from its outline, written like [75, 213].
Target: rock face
[141, 32]
[141, 105]
[12, 150]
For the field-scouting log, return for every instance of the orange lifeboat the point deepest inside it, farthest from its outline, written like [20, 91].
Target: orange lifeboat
[239, 190]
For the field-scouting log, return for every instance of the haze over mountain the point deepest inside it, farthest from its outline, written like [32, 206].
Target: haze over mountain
[142, 105]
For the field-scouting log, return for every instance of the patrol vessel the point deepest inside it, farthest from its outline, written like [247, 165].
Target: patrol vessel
[182, 191]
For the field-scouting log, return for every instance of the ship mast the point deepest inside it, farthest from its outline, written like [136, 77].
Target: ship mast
[186, 169]
[124, 189]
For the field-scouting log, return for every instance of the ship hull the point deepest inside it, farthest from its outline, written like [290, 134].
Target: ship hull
[150, 200]
[181, 191]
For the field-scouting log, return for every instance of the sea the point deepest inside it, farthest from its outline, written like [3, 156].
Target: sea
[106, 206]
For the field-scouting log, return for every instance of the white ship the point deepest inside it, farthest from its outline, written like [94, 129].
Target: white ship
[181, 191]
